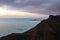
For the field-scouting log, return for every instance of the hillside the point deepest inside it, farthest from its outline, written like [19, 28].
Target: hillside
[48, 29]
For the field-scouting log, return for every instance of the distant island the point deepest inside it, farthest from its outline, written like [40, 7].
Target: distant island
[48, 29]
[36, 19]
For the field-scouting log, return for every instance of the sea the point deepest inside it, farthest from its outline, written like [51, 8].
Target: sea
[8, 26]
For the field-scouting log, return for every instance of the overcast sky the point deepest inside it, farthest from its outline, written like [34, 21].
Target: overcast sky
[40, 7]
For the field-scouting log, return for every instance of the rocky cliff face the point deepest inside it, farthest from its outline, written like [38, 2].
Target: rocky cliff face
[48, 29]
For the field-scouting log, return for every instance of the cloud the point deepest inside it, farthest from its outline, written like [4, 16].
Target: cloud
[47, 7]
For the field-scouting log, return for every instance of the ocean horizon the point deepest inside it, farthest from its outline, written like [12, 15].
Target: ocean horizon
[8, 26]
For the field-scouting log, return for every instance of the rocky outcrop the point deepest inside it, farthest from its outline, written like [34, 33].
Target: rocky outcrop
[48, 29]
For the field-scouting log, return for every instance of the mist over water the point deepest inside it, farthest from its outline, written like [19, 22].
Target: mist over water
[16, 26]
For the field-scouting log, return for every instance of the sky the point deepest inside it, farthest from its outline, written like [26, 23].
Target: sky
[29, 8]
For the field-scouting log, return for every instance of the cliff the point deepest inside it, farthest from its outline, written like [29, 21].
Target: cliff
[48, 29]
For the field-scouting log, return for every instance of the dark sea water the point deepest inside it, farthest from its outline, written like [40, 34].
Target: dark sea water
[8, 27]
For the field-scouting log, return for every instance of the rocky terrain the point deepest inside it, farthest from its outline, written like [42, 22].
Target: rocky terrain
[48, 29]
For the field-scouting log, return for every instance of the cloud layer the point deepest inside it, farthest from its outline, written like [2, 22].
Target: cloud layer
[47, 7]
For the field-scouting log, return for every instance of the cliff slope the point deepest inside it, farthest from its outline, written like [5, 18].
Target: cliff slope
[48, 29]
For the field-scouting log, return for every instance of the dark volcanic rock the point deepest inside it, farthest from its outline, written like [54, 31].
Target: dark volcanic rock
[48, 29]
